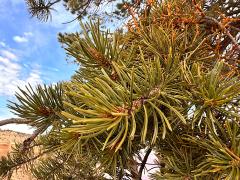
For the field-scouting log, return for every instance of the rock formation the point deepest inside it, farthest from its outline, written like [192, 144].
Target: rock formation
[7, 139]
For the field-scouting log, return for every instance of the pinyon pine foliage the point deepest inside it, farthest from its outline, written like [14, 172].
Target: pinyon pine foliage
[168, 85]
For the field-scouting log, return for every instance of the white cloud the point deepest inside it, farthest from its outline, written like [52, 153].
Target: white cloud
[20, 39]
[10, 73]
[34, 77]
[8, 54]
[24, 38]
[2, 44]
[28, 34]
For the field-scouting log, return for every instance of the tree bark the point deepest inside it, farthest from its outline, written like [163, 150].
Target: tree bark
[14, 121]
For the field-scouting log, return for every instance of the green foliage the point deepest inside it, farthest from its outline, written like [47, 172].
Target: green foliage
[61, 166]
[93, 49]
[222, 157]
[42, 9]
[42, 105]
[159, 86]
[17, 159]
[211, 92]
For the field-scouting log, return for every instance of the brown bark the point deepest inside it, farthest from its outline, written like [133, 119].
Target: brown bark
[14, 121]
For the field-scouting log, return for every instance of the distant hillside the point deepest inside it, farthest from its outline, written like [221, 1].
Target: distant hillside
[8, 138]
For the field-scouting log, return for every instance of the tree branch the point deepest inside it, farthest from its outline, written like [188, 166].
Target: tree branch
[27, 142]
[144, 162]
[14, 121]
[21, 161]
[86, 4]
[52, 3]
[222, 27]
[210, 20]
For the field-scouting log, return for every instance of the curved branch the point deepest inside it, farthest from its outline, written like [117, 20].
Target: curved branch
[14, 121]
[80, 14]
[27, 142]
[144, 162]
[54, 2]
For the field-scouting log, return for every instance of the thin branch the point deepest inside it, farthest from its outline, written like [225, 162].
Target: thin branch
[219, 24]
[29, 159]
[144, 163]
[150, 164]
[41, 9]
[52, 3]
[15, 121]
[234, 28]
[222, 27]
[153, 168]
[81, 13]
[28, 141]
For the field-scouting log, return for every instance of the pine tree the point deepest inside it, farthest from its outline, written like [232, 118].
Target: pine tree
[169, 85]
[96, 8]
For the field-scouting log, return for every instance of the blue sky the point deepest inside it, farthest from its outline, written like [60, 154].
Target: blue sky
[30, 52]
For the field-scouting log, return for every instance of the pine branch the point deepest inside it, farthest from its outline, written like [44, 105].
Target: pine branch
[15, 121]
[49, 167]
[214, 22]
[223, 28]
[83, 8]
[54, 2]
[28, 141]
[144, 162]
[45, 102]
[15, 160]
[41, 8]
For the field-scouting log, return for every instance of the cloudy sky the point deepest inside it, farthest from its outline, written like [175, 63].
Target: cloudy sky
[30, 52]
